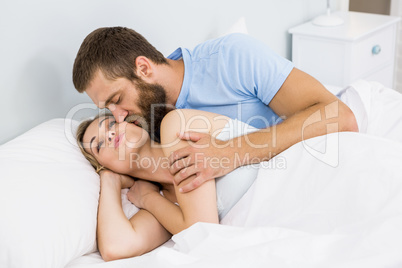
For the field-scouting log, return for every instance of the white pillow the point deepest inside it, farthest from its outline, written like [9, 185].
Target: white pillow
[48, 198]
[238, 27]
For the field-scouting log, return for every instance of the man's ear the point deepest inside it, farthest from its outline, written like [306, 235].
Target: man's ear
[143, 67]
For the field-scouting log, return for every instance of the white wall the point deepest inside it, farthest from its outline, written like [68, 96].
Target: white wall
[396, 10]
[39, 40]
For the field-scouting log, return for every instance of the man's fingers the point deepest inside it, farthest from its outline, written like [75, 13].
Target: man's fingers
[189, 171]
[194, 184]
[178, 154]
[191, 136]
[181, 164]
[178, 165]
[185, 173]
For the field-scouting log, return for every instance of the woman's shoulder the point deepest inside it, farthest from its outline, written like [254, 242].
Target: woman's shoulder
[181, 120]
[219, 126]
[235, 128]
[191, 114]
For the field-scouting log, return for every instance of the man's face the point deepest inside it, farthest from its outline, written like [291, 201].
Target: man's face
[124, 97]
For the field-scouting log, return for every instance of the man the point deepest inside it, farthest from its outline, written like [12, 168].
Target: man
[234, 75]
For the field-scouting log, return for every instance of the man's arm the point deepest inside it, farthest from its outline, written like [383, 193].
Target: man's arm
[309, 111]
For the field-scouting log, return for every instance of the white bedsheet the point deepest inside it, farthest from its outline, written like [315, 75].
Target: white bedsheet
[302, 211]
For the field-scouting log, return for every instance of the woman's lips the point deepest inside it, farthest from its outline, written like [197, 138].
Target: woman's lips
[118, 140]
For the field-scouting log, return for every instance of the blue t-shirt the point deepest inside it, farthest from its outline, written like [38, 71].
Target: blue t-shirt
[234, 75]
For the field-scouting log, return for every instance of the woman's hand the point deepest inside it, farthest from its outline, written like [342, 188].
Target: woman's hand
[124, 180]
[139, 191]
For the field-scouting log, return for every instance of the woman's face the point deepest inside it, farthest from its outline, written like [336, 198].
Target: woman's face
[114, 145]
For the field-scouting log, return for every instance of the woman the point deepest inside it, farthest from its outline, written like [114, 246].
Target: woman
[116, 149]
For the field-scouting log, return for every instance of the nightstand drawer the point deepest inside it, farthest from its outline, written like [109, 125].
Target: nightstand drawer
[362, 47]
[372, 53]
[384, 76]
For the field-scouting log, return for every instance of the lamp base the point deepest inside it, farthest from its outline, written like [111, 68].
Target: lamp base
[328, 21]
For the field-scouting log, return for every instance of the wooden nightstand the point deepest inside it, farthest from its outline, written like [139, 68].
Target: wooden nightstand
[362, 48]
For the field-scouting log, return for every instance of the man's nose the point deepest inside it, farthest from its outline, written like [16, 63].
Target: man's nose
[119, 115]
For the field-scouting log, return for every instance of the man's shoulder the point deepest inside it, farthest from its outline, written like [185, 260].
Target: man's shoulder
[223, 43]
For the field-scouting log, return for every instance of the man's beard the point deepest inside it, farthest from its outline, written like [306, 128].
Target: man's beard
[152, 103]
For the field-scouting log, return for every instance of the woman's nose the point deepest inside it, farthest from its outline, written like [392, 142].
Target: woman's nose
[111, 135]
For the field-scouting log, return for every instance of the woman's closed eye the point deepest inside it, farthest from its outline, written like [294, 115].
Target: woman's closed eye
[112, 122]
[110, 125]
[99, 146]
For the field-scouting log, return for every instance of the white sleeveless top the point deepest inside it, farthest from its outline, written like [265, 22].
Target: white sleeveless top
[231, 187]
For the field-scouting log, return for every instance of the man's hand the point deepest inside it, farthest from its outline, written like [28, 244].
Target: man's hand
[207, 159]
[139, 191]
[124, 180]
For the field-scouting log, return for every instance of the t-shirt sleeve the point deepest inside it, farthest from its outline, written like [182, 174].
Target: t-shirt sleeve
[252, 68]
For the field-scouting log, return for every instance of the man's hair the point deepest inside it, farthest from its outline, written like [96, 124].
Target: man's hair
[112, 50]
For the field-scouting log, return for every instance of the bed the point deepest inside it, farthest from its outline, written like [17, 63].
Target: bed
[330, 201]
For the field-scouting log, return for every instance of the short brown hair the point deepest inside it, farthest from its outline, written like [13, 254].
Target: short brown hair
[112, 50]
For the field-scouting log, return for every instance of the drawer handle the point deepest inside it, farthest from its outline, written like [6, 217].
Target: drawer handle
[376, 50]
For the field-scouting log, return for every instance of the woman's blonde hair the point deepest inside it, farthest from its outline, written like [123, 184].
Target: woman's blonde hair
[82, 128]
[138, 120]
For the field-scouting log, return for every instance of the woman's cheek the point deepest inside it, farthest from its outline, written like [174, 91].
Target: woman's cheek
[136, 138]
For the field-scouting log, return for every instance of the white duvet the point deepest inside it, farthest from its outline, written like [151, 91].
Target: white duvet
[305, 210]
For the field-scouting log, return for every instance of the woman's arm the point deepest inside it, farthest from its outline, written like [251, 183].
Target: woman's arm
[198, 205]
[117, 236]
